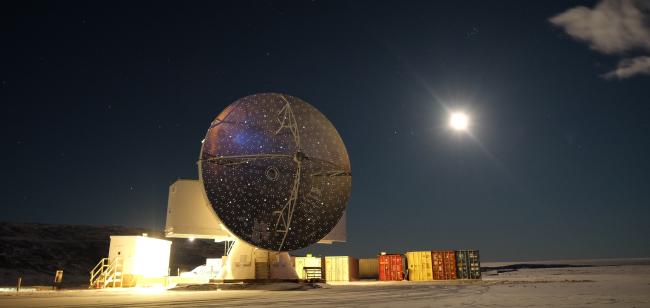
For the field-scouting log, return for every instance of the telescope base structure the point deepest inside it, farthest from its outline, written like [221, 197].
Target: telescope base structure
[247, 263]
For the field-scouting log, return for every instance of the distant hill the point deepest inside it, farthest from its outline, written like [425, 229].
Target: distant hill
[36, 251]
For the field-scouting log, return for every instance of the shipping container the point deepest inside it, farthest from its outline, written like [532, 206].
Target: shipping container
[444, 264]
[391, 267]
[341, 268]
[368, 268]
[468, 264]
[309, 267]
[419, 265]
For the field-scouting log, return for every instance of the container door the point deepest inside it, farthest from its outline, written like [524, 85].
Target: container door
[397, 268]
[329, 273]
[337, 269]
[449, 260]
[474, 265]
[438, 270]
[462, 264]
[412, 265]
[383, 267]
[426, 256]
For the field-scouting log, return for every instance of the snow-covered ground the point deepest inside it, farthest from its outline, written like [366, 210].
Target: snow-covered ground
[599, 286]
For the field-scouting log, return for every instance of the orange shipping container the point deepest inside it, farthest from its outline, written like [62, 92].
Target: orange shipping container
[443, 264]
[391, 267]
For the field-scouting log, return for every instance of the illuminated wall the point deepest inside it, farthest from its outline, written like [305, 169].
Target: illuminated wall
[141, 255]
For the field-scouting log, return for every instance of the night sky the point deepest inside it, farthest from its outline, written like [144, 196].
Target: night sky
[105, 105]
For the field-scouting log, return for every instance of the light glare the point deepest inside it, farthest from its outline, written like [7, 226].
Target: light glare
[459, 121]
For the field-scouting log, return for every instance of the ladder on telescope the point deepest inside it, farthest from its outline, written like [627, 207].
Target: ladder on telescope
[107, 274]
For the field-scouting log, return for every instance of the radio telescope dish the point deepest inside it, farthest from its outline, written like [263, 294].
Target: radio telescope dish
[276, 171]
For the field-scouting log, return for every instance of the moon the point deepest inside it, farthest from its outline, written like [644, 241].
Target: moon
[459, 121]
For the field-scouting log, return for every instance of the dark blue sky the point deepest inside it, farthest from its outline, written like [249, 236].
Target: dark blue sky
[105, 105]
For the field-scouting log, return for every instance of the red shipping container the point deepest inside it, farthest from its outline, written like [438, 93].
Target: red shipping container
[443, 264]
[391, 267]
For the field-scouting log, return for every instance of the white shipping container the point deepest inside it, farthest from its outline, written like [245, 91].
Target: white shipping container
[341, 268]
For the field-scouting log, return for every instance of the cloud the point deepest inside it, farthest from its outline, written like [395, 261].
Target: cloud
[612, 26]
[630, 67]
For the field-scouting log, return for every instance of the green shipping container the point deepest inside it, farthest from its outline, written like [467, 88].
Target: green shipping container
[468, 264]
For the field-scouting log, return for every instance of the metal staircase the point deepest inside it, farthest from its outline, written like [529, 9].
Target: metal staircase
[107, 273]
[312, 274]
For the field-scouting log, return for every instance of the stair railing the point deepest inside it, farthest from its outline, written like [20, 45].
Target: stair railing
[106, 272]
